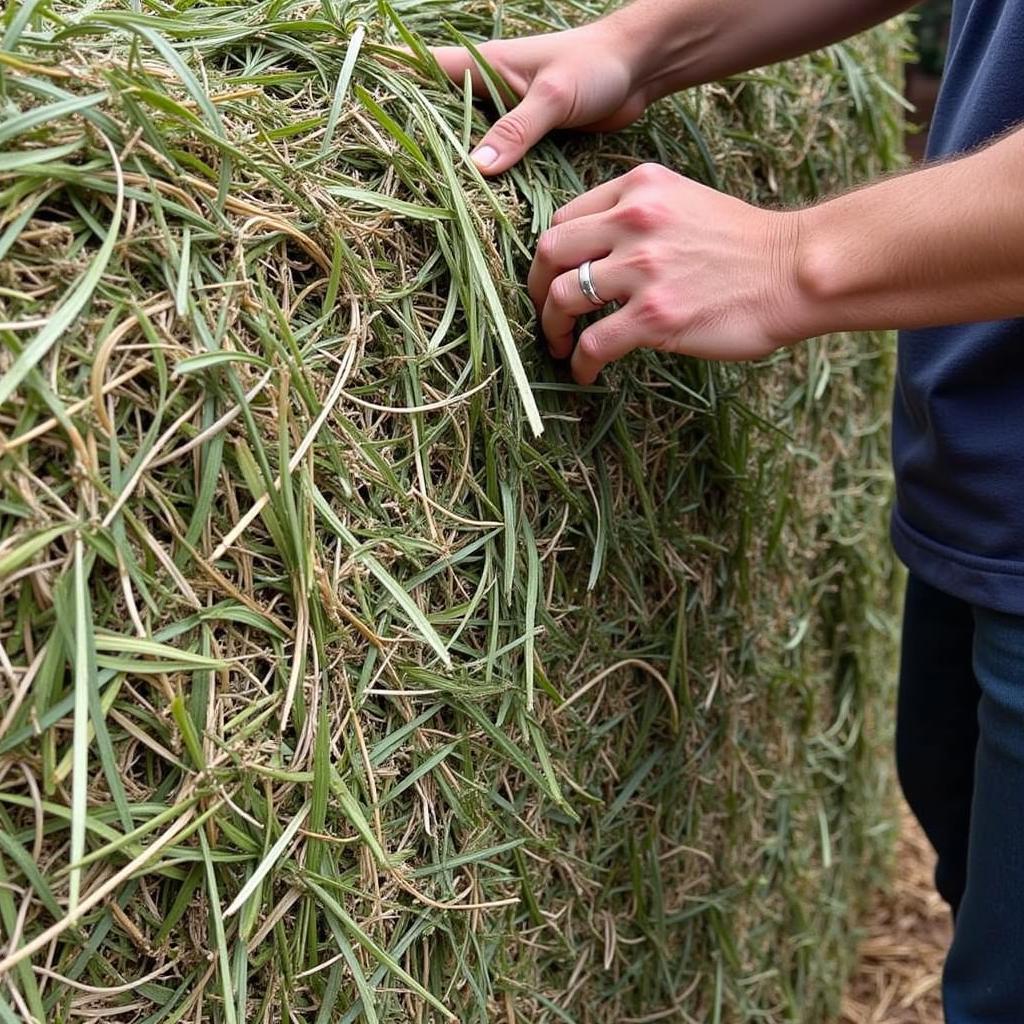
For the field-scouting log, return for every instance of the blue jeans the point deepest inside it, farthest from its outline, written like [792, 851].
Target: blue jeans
[960, 754]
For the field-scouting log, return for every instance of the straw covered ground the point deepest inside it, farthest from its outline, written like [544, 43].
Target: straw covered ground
[908, 932]
[331, 688]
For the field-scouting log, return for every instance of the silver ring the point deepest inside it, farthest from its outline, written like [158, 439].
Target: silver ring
[587, 285]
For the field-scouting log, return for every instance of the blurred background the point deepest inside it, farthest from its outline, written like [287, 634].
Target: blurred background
[923, 78]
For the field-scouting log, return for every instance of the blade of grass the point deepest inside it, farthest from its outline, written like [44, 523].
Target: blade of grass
[83, 640]
[341, 89]
[75, 300]
[220, 940]
[267, 864]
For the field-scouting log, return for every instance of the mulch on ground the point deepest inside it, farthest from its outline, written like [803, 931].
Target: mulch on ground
[908, 934]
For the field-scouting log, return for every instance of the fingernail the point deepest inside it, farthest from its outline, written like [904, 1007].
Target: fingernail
[484, 156]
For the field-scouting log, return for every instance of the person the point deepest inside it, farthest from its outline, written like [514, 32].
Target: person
[703, 274]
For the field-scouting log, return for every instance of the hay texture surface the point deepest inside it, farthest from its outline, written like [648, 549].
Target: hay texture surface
[331, 689]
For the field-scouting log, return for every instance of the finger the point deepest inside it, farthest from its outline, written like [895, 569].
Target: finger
[565, 248]
[566, 303]
[598, 200]
[604, 342]
[455, 61]
[544, 108]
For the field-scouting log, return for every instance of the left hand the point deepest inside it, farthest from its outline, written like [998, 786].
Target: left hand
[696, 272]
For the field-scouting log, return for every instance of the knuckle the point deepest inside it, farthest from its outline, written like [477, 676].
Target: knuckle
[547, 246]
[591, 345]
[648, 174]
[561, 215]
[644, 261]
[638, 216]
[562, 292]
[657, 312]
[514, 127]
[552, 90]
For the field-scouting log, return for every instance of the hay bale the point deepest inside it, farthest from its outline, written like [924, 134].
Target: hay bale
[330, 689]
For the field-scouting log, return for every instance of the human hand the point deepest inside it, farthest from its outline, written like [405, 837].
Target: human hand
[696, 272]
[581, 78]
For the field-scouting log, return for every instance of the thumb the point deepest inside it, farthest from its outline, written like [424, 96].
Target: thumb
[544, 107]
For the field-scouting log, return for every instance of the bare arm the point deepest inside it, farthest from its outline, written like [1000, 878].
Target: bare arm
[678, 45]
[943, 245]
[603, 76]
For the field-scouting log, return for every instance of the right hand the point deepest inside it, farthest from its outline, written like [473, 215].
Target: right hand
[579, 78]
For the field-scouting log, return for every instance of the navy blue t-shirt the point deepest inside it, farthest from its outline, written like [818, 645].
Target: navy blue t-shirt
[958, 419]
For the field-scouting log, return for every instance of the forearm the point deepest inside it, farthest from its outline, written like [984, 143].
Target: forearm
[677, 44]
[942, 245]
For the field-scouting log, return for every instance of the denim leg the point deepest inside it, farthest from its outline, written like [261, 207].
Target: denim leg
[984, 977]
[937, 727]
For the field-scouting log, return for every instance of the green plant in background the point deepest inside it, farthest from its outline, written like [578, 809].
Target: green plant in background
[931, 29]
[331, 689]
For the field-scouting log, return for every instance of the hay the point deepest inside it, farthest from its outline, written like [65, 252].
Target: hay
[330, 690]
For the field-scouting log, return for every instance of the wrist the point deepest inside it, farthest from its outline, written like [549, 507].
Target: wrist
[654, 48]
[825, 286]
[664, 47]
[619, 34]
[793, 303]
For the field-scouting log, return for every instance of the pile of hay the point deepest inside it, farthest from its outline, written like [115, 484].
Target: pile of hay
[330, 689]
